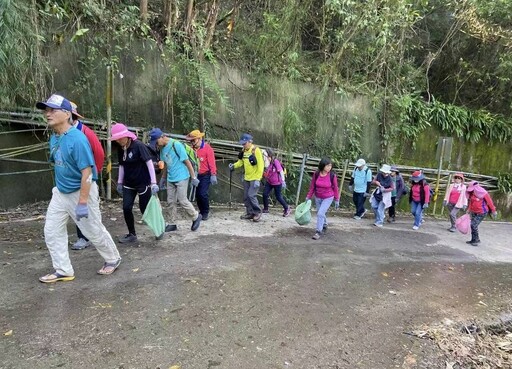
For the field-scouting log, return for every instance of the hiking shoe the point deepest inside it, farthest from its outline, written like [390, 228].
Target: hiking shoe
[316, 236]
[196, 223]
[205, 217]
[415, 227]
[128, 238]
[452, 229]
[171, 227]
[324, 228]
[391, 220]
[287, 212]
[247, 216]
[473, 242]
[80, 244]
[265, 211]
[161, 237]
[357, 217]
[256, 217]
[377, 224]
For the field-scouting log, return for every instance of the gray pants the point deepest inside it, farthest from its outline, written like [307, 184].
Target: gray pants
[452, 213]
[177, 195]
[251, 198]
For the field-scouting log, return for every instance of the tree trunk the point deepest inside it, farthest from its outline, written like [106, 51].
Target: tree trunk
[143, 10]
[190, 14]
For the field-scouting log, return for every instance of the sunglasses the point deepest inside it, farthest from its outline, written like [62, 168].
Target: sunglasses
[457, 177]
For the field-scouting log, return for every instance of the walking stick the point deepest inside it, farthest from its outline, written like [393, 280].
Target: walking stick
[230, 186]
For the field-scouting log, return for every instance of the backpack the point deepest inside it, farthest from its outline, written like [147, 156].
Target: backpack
[252, 158]
[315, 176]
[192, 157]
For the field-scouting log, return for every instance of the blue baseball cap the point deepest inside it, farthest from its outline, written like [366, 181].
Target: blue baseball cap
[154, 135]
[245, 138]
[56, 102]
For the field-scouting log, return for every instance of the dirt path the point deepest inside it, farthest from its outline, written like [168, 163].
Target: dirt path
[238, 294]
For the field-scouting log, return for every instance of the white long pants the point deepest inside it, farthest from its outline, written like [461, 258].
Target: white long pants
[62, 207]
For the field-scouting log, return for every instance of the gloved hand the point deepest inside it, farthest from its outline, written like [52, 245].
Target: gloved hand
[256, 184]
[154, 189]
[336, 204]
[195, 182]
[163, 184]
[366, 194]
[81, 211]
[445, 203]
[231, 166]
[283, 185]
[425, 206]
[120, 189]
[351, 188]
[213, 180]
[494, 215]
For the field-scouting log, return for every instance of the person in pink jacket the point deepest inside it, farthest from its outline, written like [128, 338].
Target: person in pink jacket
[455, 198]
[324, 186]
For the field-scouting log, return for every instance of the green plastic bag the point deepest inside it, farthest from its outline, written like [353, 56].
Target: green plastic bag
[153, 216]
[303, 213]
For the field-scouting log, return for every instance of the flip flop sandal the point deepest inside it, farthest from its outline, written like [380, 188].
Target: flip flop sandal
[56, 277]
[112, 268]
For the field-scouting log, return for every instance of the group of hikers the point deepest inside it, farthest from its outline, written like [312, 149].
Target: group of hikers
[78, 157]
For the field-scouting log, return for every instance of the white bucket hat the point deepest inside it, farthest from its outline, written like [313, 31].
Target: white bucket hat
[385, 169]
[360, 162]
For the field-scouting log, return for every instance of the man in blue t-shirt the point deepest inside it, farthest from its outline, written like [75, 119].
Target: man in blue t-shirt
[75, 195]
[360, 185]
[179, 171]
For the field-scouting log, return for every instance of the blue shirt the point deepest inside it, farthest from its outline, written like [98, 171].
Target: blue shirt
[174, 154]
[71, 153]
[361, 179]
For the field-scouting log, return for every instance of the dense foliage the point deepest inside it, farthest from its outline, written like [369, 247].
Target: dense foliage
[401, 53]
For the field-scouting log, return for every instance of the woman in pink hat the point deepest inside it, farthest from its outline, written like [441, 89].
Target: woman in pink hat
[136, 175]
[455, 198]
[419, 197]
[480, 204]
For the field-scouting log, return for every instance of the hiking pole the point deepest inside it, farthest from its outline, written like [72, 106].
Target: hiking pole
[230, 186]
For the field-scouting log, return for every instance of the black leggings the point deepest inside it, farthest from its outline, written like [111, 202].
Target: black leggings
[129, 195]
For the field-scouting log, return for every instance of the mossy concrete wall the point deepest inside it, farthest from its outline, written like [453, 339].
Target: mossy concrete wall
[482, 158]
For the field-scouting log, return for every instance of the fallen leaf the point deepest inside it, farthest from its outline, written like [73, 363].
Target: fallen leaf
[392, 292]
[482, 303]
[480, 294]
[135, 270]
[8, 333]
[384, 274]
[175, 367]
[350, 251]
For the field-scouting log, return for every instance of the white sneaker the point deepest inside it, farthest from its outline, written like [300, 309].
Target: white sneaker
[80, 244]
[415, 228]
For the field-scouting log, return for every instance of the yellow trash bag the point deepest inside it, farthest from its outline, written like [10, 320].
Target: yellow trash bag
[154, 218]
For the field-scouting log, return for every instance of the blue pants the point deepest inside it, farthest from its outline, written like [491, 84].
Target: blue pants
[279, 197]
[378, 209]
[476, 219]
[322, 205]
[359, 201]
[202, 198]
[417, 211]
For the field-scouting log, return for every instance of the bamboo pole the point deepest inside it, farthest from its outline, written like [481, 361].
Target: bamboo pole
[439, 175]
[110, 90]
[302, 167]
[345, 167]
